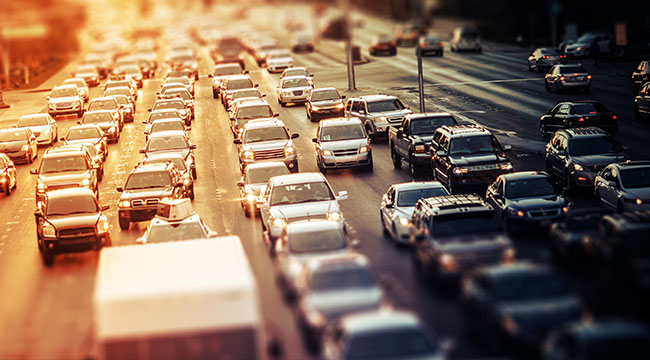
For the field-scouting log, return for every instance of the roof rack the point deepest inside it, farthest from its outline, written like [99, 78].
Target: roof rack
[462, 129]
[586, 131]
[454, 201]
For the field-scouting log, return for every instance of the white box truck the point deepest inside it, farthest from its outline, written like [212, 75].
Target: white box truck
[193, 299]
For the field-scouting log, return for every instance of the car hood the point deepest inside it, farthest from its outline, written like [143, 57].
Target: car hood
[398, 114]
[83, 141]
[639, 193]
[11, 146]
[541, 315]
[267, 145]
[327, 103]
[183, 152]
[64, 178]
[344, 144]
[36, 129]
[336, 303]
[405, 211]
[477, 159]
[599, 159]
[74, 221]
[474, 243]
[64, 99]
[146, 193]
[547, 202]
[316, 208]
[254, 188]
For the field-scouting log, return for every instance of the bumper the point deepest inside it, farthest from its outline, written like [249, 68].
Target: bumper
[575, 84]
[402, 233]
[18, 156]
[348, 161]
[65, 111]
[76, 244]
[291, 162]
[294, 98]
[141, 213]
[324, 113]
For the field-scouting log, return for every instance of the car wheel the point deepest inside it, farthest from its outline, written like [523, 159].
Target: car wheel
[192, 192]
[47, 256]
[322, 169]
[542, 129]
[397, 160]
[8, 189]
[369, 167]
[413, 170]
[194, 173]
[124, 223]
[30, 157]
[548, 88]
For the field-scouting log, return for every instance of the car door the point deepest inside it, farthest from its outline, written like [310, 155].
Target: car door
[441, 160]
[643, 99]
[387, 208]
[402, 140]
[495, 196]
[606, 188]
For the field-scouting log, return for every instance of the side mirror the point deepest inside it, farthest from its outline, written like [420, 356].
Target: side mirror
[38, 213]
[263, 95]
[342, 97]
[62, 139]
[257, 85]
[105, 207]
[192, 147]
[246, 72]
[343, 195]
[210, 76]
[240, 183]
[276, 114]
[149, 110]
[78, 122]
[274, 349]
[33, 171]
[237, 141]
[295, 135]
[314, 140]
[119, 189]
[507, 148]
[142, 151]
[47, 97]
[389, 205]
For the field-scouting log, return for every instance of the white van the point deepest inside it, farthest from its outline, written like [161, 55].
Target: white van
[194, 299]
[465, 39]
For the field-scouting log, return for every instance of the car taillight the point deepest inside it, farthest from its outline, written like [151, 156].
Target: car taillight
[562, 78]
[545, 57]
[614, 117]
[443, 44]
[392, 43]
[563, 56]
[423, 44]
[581, 119]
[588, 77]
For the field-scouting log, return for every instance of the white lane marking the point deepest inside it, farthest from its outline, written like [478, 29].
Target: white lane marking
[484, 82]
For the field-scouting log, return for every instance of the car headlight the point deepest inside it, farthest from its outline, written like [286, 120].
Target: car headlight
[383, 118]
[124, 203]
[509, 324]
[334, 216]
[25, 147]
[289, 150]
[316, 318]
[314, 108]
[166, 199]
[41, 186]
[506, 166]
[279, 222]
[460, 170]
[85, 183]
[364, 149]
[102, 225]
[404, 221]
[250, 197]
[249, 155]
[98, 147]
[49, 230]
[326, 152]
[578, 167]
[447, 262]
[509, 254]
[340, 106]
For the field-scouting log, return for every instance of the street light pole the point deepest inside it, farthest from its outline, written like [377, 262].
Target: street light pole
[420, 79]
[352, 86]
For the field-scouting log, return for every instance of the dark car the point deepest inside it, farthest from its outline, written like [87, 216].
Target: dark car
[20, 145]
[513, 307]
[146, 186]
[527, 199]
[454, 234]
[566, 77]
[467, 158]
[568, 236]
[171, 141]
[599, 340]
[183, 166]
[642, 103]
[543, 59]
[107, 120]
[229, 50]
[324, 103]
[570, 114]
[70, 220]
[640, 76]
[575, 156]
[383, 44]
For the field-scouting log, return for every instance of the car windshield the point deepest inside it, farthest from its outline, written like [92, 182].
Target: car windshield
[449, 227]
[312, 241]
[97, 118]
[69, 205]
[237, 84]
[385, 105]
[390, 344]
[54, 164]
[253, 93]
[588, 109]
[263, 174]
[636, 178]
[121, 100]
[341, 279]
[570, 69]
[325, 95]
[64, 92]
[164, 115]
[227, 70]
[292, 83]
[257, 111]
[169, 105]
[32, 121]
[411, 197]
[427, 126]
[301, 193]
[342, 132]
[16, 135]
[265, 134]
[278, 55]
[524, 188]
[178, 162]
[181, 94]
[87, 133]
[473, 145]
[593, 146]
[529, 286]
[164, 232]
[181, 79]
[148, 179]
[615, 346]
[167, 143]
[102, 105]
[117, 91]
[166, 125]
[296, 72]
[431, 40]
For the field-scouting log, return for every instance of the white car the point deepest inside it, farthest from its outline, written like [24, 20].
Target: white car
[82, 87]
[397, 206]
[65, 100]
[278, 60]
[295, 197]
[298, 71]
[42, 125]
[294, 89]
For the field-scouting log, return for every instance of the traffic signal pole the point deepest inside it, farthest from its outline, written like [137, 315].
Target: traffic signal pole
[420, 79]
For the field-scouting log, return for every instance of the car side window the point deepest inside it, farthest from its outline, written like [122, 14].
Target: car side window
[564, 109]
[348, 105]
[405, 128]
[436, 138]
[556, 109]
[563, 143]
[391, 195]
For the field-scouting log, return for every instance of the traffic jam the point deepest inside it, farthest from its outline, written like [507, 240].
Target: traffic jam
[207, 190]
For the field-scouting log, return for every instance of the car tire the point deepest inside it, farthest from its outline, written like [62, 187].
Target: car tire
[191, 195]
[413, 170]
[543, 131]
[124, 223]
[47, 256]
[30, 157]
[8, 189]
[194, 173]
[397, 160]
[100, 175]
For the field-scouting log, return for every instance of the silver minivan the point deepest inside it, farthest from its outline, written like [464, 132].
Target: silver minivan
[342, 143]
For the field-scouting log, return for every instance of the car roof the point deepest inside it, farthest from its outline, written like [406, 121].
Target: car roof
[346, 260]
[247, 89]
[297, 178]
[66, 86]
[70, 80]
[377, 97]
[310, 226]
[265, 165]
[379, 320]
[251, 103]
[37, 115]
[295, 68]
[161, 101]
[293, 77]
[340, 121]
[428, 115]
[170, 119]
[65, 149]
[150, 167]
[84, 126]
[263, 123]
[227, 65]
[164, 155]
[238, 77]
[415, 185]
[67, 192]
[92, 112]
[459, 131]
[525, 175]
[168, 133]
[451, 204]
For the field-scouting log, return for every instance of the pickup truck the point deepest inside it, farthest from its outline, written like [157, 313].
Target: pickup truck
[411, 140]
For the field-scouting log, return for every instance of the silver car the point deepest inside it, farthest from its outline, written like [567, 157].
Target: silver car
[267, 140]
[42, 125]
[254, 178]
[397, 206]
[164, 230]
[377, 112]
[82, 87]
[624, 186]
[295, 197]
[64, 100]
[333, 286]
[342, 143]
[278, 60]
[298, 71]
[293, 89]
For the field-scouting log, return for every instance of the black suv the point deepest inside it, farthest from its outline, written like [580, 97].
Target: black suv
[467, 158]
[455, 233]
[146, 186]
[578, 114]
[575, 156]
[70, 220]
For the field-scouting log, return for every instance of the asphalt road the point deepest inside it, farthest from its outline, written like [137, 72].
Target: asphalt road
[46, 313]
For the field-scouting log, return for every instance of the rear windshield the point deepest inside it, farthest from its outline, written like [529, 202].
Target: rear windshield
[144, 180]
[252, 112]
[461, 224]
[342, 132]
[167, 125]
[85, 133]
[227, 70]
[97, 118]
[16, 135]
[326, 240]
[102, 105]
[325, 95]
[411, 197]
[593, 146]
[344, 278]
[530, 285]
[239, 84]
[246, 93]
[570, 69]
[587, 109]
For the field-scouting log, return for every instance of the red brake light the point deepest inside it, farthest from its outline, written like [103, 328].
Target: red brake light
[581, 119]
[441, 43]
[545, 57]
[614, 117]
[562, 78]
[588, 77]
